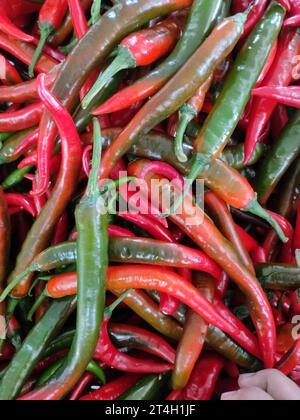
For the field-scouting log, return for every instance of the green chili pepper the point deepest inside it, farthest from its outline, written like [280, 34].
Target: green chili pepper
[33, 348]
[149, 388]
[234, 156]
[10, 145]
[279, 159]
[16, 177]
[62, 342]
[5, 136]
[281, 277]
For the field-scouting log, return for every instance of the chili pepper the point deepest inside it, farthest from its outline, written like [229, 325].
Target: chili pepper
[223, 120]
[293, 21]
[5, 231]
[234, 155]
[18, 144]
[8, 27]
[25, 91]
[92, 252]
[16, 177]
[280, 74]
[279, 120]
[287, 253]
[202, 18]
[285, 339]
[187, 113]
[51, 52]
[78, 18]
[297, 229]
[139, 339]
[24, 52]
[204, 378]
[288, 96]
[114, 389]
[268, 65]
[80, 387]
[8, 74]
[50, 17]
[295, 301]
[61, 230]
[256, 251]
[19, 200]
[140, 49]
[107, 353]
[224, 220]
[149, 388]
[21, 119]
[282, 277]
[290, 360]
[33, 347]
[204, 233]
[193, 338]
[63, 190]
[217, 46]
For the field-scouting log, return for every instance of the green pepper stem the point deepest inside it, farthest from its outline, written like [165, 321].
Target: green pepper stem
[124, 60]
[96, 11]
[14, 283]
[109, 310]
[92, 188]
[255, 208]
[97, 371]
[186, 114]
[46, 31]
[36, 306]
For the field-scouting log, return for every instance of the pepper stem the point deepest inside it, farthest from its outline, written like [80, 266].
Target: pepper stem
[95, 10]
[109, 310]
[92, 188]
[186, 114]
[36, 306]
[97, 371]
[46, 31]
[14, 283]
[255, 208]
[124, 60]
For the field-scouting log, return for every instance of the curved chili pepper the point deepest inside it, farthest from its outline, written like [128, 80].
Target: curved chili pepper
[257, 252]
[50, 17]
[22, 119]
[202, 17]
[289, 96]
[223, 120]
[268, 65]
[25, 91]
[8, 74]
[290, 360]
[280, 74]
[81, 386]
[19, 200]
[63, 190]
[78, 18]
[140, 49]
[114, 389]
[293, 21]
[198, 68]
[5, 230]
[287, 251]
[187, 113]
[276, 276]
[152, 387]
[111, 356]
[27, 143]
[24, 52]
[61, 230]
[16, 177]
[193, 338]
[8, 27]
[204, 233]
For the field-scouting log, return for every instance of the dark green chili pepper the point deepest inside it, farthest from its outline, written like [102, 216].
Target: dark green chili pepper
[16, 177]
[7, 151]
[234, 156]
[281, 277]
[64, 341]
[279, 159]
[5, 136]
[149, 388]
[33, 348]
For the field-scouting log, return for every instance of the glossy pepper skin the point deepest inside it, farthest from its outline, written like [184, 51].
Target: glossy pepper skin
[202, 17]
[198, 68]
[147, 389]
[281, 156]
[22, 119]
[5, 231]
[41, 231]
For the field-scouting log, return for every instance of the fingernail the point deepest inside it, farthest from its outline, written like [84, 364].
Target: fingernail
[229, 396]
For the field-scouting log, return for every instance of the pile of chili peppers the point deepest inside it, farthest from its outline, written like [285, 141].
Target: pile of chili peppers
[104, 296]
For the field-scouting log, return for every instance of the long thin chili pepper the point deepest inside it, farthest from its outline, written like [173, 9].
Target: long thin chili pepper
[5, 231]
[78, 18]
[204, 233]
[81, 386]
[289, 96]
[293, 21]
[8, 27]
[8, 73]
[223, 120]
[268, 65]
[112, 390]
[63, 190]
[140, 49]
[187, 113]
[214, 49]
[290, 360]
[50, 17]
[92, 260]
[22, 119]
[193, 338]
[22, 201]
[24, 52]
[202, 17]
[280, 74]
[152, 387]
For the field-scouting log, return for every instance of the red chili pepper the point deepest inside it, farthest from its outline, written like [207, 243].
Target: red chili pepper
[280, 74]
[22, 119]
[295, 302]
[285, 340]
[51, 52]
[8, 27]
[28, 142]
[290, 360]
[80, 387]
[295, 7]
[289, 96]
[239, 6]
[39, 201]
[107, 353]
[293, 21]
[24, 52]
[61, 230]
[50, 17]
[279, 120]
[114, 389]
[204, 378]
[123, 117]
[287, 255]
[254, 16]
[8, 73]
[268, 64]
[22, 201]
[297, 229]
[257, 252]
[78, 18]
